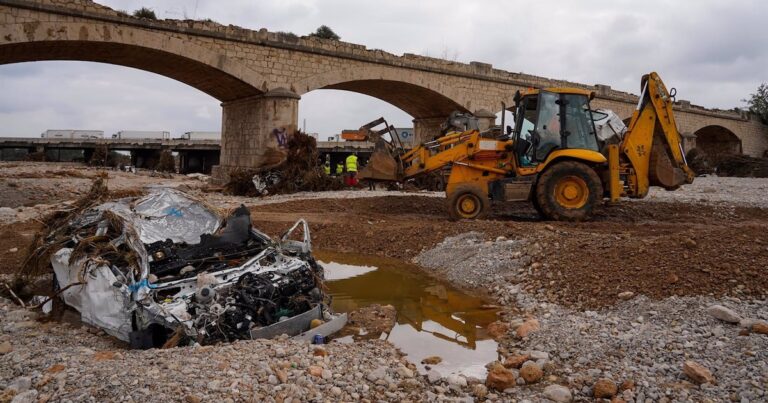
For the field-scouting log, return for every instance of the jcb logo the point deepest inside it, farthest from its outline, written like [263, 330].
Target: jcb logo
[641, 150]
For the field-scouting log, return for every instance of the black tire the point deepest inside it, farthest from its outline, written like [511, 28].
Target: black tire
[571, 205]
[536, 206]
[464, 195]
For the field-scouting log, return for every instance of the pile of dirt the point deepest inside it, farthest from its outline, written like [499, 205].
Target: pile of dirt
[58, 173]
[38, 156]
[735, 165]
[699, 162]
[15, 239]
[656, 249]
[301, 172]
[743, 166]
[370, 321]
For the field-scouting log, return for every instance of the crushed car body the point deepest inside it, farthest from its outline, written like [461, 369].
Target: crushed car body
[166, 268]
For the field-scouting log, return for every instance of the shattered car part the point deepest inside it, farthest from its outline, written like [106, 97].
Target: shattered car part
[166, 266]
[263, 181]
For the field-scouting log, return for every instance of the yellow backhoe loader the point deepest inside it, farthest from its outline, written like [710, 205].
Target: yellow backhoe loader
[552, 156]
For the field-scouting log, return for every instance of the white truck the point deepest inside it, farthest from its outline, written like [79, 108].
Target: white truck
[73, 134]
[141, 135]
[201, 136]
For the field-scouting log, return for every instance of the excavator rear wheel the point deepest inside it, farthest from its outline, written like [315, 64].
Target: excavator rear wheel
[568, 191]
[468, 202]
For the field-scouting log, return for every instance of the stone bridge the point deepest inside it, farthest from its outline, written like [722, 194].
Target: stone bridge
[259, 76]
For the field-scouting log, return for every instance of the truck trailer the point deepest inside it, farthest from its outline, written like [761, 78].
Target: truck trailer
[72, 134]
[201, 136]
[141, 135]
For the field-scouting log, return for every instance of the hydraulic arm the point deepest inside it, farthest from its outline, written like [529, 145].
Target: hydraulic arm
[651, 153]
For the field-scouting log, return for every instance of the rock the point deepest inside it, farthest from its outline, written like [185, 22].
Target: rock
[672, 278]
[558, 393]
[539, 355]
[314, 370]
[192, 399]
[528, 327]
[516, 361]
[722, 313]
[327, 374]
[336, 391]
[626, 295]
[604, 389]
[21, 384]
[457, 380]
[404, 372]
[498, 329]
[500, 378]
[212, 385]
[480, 390]
[13, 250]
[760, 327]
[5, 347]
[531, 372]
[281, 375]
[29, 396]
[627, 385]
[376, 374]
[433, 360]
[689, 243]
[433, 376]
[320, 352]
[697, 372]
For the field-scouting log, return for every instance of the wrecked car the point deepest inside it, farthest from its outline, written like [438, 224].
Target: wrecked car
[166, 269]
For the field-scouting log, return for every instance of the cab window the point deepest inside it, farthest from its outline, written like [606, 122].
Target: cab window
[548, 127]
[579, 125]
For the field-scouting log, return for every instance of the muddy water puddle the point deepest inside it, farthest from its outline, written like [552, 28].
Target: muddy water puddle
[433, 318]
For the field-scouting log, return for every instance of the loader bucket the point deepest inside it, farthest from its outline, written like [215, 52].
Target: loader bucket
[663, 171]
[381, 166]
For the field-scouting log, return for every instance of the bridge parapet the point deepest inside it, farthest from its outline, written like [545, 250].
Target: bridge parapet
[339, 49]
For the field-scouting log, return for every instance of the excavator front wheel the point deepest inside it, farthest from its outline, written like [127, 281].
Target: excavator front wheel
[568, 191]
[467, 202]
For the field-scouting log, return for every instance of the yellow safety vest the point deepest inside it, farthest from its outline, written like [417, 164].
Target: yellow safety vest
[327, 168]
[352, 163]
[339, 168]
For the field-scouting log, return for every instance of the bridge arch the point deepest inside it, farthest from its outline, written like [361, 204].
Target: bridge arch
[718, 140]
[420, 98]
[206, 70]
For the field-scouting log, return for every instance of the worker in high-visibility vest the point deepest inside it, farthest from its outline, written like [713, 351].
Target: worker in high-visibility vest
[327, 164]
[339, 168]
[351, 165]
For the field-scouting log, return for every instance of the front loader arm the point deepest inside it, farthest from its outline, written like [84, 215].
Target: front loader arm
[652, 151]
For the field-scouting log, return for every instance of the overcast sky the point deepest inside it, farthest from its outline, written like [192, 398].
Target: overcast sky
[715, 52]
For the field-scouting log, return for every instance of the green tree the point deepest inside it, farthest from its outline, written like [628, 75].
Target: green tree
[167, 163]
[144, 12]
[325, 32]
[289, 35]
[758, 103]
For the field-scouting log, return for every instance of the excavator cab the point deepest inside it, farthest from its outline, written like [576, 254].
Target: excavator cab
[550, 120]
